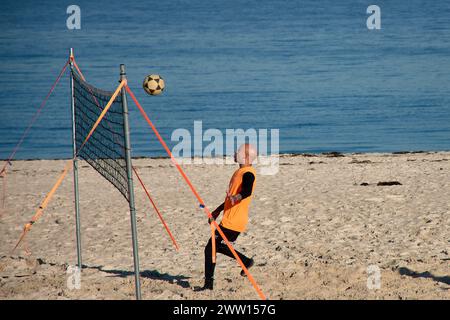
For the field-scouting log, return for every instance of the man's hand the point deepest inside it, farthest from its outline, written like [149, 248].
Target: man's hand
[214, 217]
[214, 214]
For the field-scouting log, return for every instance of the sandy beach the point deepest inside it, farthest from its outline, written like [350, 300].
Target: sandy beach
[315, 228]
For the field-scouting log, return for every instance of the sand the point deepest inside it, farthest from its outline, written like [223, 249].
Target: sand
[313, 232]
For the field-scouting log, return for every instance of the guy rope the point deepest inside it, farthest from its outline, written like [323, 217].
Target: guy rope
[3, 171]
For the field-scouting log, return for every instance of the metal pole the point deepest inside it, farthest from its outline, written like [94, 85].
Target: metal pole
[75, 166]
[126, 128]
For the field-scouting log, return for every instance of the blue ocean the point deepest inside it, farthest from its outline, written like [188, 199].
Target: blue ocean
[311, 69]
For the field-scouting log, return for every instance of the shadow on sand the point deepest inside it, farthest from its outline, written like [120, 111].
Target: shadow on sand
[149, 274]
[410, 273]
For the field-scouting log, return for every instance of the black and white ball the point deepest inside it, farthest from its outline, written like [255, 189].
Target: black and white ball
[153, 84]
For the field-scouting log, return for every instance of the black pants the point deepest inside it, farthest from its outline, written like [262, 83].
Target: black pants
[222, 248]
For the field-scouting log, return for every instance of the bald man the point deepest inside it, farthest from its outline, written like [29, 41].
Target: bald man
[235, 216]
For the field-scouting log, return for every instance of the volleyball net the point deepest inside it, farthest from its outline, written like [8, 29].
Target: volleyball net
[105, 150]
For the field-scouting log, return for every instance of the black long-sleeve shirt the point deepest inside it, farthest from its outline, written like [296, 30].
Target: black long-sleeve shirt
[247, 185]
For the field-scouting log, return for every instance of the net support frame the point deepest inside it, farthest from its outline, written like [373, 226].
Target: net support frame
[126, 147]
[130, 186]
[75, 165]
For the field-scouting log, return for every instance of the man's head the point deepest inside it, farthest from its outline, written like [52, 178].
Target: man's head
[246, 154]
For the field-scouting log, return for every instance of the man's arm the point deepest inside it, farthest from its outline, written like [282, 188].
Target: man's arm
[247, 185]
[218, 210]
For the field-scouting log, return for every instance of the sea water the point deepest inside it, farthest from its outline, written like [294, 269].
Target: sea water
[311, 69]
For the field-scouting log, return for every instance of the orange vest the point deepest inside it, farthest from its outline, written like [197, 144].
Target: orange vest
[236, 217]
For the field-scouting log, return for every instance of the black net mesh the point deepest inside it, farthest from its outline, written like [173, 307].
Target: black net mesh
[105, 149]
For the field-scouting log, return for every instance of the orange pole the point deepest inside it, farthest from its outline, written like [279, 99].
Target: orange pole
[156, 209]
[44, 204]
[194, 191]
[213, 239]
[108, 105]
[4, 191]
[2, 208]
[78, 69]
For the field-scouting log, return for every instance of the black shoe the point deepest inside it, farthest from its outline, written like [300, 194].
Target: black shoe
[209, 285]
[248, 266]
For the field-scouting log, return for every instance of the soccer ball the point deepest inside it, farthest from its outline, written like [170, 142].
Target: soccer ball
[153, 84]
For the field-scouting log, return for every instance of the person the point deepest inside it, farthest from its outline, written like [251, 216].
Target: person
[235, 212]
